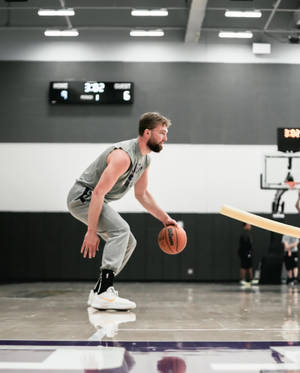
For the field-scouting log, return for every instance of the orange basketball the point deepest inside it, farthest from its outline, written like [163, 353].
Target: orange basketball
[172, 239]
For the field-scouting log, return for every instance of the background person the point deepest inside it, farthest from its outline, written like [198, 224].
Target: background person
[291, 258]
[245, 253]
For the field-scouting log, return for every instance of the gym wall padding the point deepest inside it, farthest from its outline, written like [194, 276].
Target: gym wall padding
[46, 246]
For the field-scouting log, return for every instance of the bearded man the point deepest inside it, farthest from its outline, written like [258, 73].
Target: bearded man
[108, 178]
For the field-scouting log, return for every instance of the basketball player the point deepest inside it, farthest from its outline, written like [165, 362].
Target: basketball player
[291, 258]
[108, 178]
[245, 252]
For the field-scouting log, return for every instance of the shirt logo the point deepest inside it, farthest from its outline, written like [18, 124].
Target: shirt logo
[135, 170]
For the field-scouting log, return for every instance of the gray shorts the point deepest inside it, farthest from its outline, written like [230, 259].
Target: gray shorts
[112, 228]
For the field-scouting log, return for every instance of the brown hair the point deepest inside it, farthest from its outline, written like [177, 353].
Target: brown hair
[151, 120]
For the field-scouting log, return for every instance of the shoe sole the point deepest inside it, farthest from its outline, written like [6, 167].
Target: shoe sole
[89, 303]
[111, 307]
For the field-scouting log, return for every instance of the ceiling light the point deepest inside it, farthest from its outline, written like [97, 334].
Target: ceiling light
[56, 12]
[243, 14]
[149, 13]
[239, 34]
[157, 32]
[71, 32]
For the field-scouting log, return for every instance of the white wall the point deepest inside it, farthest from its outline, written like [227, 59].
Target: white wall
[183, 178]
[30, 46]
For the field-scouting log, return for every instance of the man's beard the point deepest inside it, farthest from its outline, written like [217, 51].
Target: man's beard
[154, 146]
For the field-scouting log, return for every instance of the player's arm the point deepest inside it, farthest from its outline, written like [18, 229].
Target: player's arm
[118, 162]
[148, 202]
[297, 205]
[287, 247]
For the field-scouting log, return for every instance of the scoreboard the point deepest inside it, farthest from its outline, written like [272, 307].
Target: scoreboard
[288, 139]
[90, 92]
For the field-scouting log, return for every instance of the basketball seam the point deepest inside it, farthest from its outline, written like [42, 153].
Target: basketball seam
[176, 241]
[167, 239]
[175, 245]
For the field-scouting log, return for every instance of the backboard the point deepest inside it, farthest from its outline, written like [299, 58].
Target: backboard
[281, 172]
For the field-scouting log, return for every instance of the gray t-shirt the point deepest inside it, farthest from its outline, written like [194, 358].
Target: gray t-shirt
[139, 163]
[290, 240]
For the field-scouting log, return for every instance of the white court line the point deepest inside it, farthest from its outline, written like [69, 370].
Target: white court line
[102, 358]
[48, 347]
[255, 367]
[212, 330]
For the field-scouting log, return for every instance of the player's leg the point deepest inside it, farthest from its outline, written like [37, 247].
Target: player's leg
[118, 248]
[242, 276]
[289, 269]
[114, 230]
[250, 274]
[130, 248]
[295, 267]
[120, 242]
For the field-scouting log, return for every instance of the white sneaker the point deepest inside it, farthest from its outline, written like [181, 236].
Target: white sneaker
[91, 295]
[109, 300]
[245, 284]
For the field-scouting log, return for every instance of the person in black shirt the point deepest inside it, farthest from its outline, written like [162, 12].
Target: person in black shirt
[245, 254]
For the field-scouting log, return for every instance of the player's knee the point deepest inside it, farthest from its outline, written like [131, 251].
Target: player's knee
[124, 230]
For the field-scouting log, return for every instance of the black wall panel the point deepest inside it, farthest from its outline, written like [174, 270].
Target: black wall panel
[209, 103]
[46, 246]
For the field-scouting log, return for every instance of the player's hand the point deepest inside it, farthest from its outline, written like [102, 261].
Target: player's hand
[169, 221]
[90, 244]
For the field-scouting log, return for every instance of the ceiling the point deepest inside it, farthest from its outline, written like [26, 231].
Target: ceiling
[188, 20]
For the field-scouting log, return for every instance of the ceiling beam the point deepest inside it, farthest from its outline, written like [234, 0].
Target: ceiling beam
[276, 5]
[195, 20]
[67, 18]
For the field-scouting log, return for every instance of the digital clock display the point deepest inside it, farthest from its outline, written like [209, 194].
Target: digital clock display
[288, 139]
[291, 133]
[90, 92]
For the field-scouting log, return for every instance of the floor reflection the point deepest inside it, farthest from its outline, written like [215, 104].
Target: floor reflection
[171, 364]
[107, 323]
[290, 327]
[148, 357]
